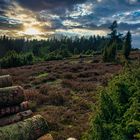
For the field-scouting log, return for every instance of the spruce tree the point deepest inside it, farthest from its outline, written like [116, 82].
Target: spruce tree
[110, 51]
[113, 35]
[105, 55]
[127, 45]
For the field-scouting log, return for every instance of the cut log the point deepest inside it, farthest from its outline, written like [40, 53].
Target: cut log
[10, 120]
[71, 139]
[24, 105]
[46, 137]
[11, 96]
[29, 129]
[5, 81]
[15, 118]
[14, 109]
[25, 114]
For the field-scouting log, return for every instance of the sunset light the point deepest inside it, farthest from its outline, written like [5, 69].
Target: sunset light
[31, 31]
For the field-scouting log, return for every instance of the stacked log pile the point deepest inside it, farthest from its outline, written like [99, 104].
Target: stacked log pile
[16, 121]
[5, 81]
[29, 129]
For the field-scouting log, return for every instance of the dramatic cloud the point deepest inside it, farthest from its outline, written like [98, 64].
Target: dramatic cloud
[48, 4]
[45, 18]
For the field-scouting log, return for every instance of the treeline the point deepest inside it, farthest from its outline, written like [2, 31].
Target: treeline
[117, 113]
[76, 45]
[51, 49]
[57, 49]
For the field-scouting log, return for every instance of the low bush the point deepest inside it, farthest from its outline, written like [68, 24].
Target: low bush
[44, 89]
[57, 55]
[42, 80]
[13, 59]
[36, 97]
[69, 75]
[78, 86]
[53, 56]
[58, 96]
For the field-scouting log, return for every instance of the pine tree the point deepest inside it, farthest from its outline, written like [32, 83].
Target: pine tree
[105, 55]
[112, 52]
[113, 35]
[127, 45]
[109, 53]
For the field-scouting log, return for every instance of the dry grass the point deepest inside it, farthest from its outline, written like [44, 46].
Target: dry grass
[79, 86]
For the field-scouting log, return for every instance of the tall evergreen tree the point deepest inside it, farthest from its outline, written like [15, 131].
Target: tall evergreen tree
[112, 52]
[109, 53]
[113, 43]
[127, 45]
[113, 35]
[105, 55]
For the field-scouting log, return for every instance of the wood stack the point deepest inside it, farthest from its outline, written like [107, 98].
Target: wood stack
[29, 129]
[15, 116]
[5, 81]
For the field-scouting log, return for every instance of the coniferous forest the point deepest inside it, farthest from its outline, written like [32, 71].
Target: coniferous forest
[19, 52]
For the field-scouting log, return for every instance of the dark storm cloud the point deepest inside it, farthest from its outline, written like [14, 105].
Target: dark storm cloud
[48, 4]
[84, 14]
[108, 8]
[101, 10]
[104, 13]
[126, 26]
[3, 6]
[121, 26]
[8, 23]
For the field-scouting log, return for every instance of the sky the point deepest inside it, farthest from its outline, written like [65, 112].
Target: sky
[42, 19]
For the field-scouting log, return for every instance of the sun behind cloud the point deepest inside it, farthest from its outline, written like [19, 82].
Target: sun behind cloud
[31, 31]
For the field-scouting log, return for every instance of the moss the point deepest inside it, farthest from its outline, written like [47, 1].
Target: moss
[42, 75]
[29, 129]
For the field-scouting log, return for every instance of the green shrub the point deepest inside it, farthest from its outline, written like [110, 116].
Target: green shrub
[13, 59]
[117, 116]
[53, 56]
[57, 55]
